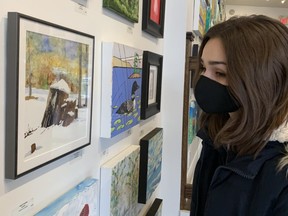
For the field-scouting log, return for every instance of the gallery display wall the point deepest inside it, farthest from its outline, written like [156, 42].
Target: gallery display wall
[34, 187]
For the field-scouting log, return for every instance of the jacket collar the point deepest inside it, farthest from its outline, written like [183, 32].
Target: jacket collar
[248, 166]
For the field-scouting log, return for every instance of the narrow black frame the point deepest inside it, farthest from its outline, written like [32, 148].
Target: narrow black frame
[150, 59]
[148, 25]
[13, 93]
[155, 207]
[144, 159]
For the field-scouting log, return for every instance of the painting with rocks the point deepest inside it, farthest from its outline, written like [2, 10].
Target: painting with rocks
[54, 97]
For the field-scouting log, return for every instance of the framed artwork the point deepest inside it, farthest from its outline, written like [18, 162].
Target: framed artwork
[127, 9]
[80, 200]
[151, 84]
[119, 183]
[193, 119]
[153, 17]
[121, 88]
[150, 164]
[48, 94]
[156, 208]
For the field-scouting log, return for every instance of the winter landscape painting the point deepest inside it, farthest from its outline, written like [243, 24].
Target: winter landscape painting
[119, 183]
[80, 200]
[121, 88]
[150, 164]
[53, 95]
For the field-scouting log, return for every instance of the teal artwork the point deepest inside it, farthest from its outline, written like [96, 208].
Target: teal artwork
[150, 164]
[192, 123]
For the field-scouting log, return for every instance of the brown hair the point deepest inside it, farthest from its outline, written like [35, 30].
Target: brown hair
[256, 47]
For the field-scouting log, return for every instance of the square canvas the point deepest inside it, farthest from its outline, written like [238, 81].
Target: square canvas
[119, 184]
[121, 88]
[80, 200]
[150, 164]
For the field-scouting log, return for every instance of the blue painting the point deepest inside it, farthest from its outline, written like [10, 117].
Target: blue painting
[80, 200]
[150, 164]
[192, 122]
[122, 96]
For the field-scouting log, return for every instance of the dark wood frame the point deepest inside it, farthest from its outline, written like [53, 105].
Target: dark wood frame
[150, 58]
[155, 207]
[12, 94]
[148, 25]
[190, 66]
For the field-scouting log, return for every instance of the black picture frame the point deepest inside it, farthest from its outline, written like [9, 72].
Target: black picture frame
[150, 164]
[149, 25]
[151, 92]
[46, 120]
[156, 208]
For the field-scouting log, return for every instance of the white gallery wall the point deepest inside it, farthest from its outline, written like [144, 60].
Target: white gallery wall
[239, 10]
[40, 187]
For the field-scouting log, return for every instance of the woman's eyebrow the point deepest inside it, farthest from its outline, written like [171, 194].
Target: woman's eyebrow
[214, 62]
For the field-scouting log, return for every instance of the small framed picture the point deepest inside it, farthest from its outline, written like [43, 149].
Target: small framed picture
[49, 93]
[151, 84]
[153, 17]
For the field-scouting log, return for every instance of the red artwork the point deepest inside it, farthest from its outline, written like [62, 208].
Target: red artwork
[155, 11]
[85, 210]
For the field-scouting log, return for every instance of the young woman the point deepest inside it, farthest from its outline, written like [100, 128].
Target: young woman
[242, 88]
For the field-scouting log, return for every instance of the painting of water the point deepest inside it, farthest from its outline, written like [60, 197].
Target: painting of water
[121, 88]
[150, 164]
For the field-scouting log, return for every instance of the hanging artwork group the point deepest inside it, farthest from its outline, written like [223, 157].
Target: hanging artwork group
[49, 109]
[132, 176]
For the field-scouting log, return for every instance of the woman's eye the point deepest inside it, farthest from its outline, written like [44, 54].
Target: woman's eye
[221, 74]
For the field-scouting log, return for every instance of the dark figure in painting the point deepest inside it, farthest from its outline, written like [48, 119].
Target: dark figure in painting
[129, 105]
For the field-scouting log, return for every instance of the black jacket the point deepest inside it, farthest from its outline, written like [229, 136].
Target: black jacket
[226, 185]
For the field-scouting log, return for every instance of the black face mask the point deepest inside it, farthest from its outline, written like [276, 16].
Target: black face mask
[213, 97]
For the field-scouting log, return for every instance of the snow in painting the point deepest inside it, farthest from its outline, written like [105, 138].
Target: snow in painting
[54, 99]
[81, 200]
